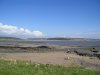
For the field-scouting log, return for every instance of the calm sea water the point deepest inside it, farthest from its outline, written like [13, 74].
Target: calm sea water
[68, 43]
[61, 43]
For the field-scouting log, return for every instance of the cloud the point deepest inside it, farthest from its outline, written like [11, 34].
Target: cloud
[92, 35]
[95, 35]
[15, 31]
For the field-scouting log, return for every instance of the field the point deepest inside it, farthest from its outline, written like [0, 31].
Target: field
[13, 67]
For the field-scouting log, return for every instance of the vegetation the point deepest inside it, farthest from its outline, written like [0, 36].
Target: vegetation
[9, 38]
[13, 67]
[46, 39]
[62, 38]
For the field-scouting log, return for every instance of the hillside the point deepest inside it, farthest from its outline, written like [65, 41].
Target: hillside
[46, 39]
[57, 38]
[9, 38]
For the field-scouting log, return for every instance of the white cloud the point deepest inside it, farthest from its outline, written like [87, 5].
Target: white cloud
[94, 34]
[37, 33]
[14, 30]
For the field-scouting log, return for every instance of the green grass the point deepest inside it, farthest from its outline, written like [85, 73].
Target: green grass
[13, 67]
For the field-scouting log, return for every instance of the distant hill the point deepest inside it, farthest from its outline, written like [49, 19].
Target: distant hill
[46, 39]
[58, 38]
[36, 38]
[9, 38]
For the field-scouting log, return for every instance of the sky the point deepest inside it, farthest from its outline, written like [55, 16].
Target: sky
[50, 18]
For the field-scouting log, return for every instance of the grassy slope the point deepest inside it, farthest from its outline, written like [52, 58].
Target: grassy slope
[12, 67]
[59, 38]
[49, 39]
[9, 39]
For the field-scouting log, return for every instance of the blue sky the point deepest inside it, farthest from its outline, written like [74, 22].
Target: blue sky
[51, 18]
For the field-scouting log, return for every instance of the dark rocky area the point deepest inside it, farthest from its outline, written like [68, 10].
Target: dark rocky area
[91, 52]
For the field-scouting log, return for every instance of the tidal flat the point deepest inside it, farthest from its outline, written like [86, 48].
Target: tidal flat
[68, 56]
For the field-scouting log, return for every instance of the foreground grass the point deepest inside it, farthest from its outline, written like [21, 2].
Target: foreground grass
[13, 67]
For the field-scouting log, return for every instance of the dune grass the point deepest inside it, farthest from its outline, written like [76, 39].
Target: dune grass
[13, 67]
